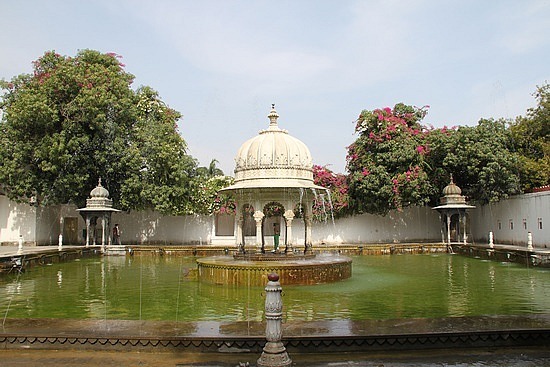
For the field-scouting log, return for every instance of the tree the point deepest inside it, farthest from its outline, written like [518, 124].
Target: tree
[76, 119]
[206, 196]
[162, 173]
[397, 162]
[211, 171]
[482, 162]
[386, 163]
[531, 140]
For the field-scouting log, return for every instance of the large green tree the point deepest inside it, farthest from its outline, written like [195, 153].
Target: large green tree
[482, 161]
[531, 139]
[76, 119]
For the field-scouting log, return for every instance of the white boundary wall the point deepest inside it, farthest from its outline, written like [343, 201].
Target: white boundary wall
[415, 224]
[510, 220]
[153, 228]
[41, 226]
[16, 220]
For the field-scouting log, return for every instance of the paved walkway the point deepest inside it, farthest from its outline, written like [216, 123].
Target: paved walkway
[510, 357]
[13, 250]
[9, 251]
[541, 250]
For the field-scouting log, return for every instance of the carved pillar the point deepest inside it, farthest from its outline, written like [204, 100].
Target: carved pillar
[442, 226]
[308, 222]
[61, 229]
[258, 216]
[240, 240]
[109, 231]
[464, 235]
[289, 216]
[103, 225]
[274, 353]
[87, 231]
[93, 230]
[448, 229]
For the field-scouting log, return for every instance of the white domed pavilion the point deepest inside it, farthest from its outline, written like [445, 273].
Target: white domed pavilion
[97, 215]
[453, 211]
[273, 181]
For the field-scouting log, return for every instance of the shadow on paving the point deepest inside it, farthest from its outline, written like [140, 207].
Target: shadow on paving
[521, 357]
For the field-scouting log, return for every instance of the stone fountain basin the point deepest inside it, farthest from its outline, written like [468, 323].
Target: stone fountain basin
[253, 270]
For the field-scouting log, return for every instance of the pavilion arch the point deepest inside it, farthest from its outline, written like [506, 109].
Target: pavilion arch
[273, 215]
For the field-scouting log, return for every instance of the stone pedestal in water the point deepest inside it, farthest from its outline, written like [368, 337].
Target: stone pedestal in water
[274, 353]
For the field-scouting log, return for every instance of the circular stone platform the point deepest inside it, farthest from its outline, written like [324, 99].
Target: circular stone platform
[254, 269]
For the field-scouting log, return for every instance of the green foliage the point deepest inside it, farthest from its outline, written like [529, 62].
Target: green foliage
[162, 172]
[206, 196]
[397, 162]
[337, 186]
[481, 161]
[531, 139]
[386, 163]
[76, 119]
[211, 171]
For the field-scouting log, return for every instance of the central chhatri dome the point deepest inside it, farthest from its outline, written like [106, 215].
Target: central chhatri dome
[273, 158]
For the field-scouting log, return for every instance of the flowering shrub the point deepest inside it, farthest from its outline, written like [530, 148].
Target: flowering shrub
[336, 200]
[386, 164]
[208, 200]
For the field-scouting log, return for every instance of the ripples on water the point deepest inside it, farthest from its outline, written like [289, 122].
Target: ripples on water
[158, 288]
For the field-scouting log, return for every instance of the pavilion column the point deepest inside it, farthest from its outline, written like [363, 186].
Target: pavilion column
[289, 216]
[240, 223]
[109, 233]
[464, 235]
[258, 216]
[87, 231]
[443, 225]
[240, 240]
[61, 227]
[103, 225]
[448, 229]
[94, 227]
[307, 240]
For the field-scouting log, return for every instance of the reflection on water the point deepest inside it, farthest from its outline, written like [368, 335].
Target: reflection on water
[159, 288]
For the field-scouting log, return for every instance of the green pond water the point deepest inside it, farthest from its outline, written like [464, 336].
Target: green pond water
[381, 287]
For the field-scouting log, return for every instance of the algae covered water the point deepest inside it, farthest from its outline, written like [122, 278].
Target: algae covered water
[381, 287]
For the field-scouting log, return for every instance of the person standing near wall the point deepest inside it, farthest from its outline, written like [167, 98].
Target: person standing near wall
[276, 236]
[116, 235]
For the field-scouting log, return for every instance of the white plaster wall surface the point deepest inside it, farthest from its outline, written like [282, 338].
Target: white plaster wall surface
[410, 225]
[48, 224]
[41, 225]
[16, 219]
[147, 227]
[511, 213]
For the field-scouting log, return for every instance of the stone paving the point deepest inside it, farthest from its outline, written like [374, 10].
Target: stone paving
[7, 251]
[511, 357]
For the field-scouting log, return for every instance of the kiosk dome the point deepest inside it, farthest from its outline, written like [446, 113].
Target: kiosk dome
[273, 158]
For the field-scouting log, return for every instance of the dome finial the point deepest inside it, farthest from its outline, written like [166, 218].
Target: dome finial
[273, 116]
[99, 191]
[452, 181]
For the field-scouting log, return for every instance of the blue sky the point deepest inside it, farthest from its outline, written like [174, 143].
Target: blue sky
[222, 63]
